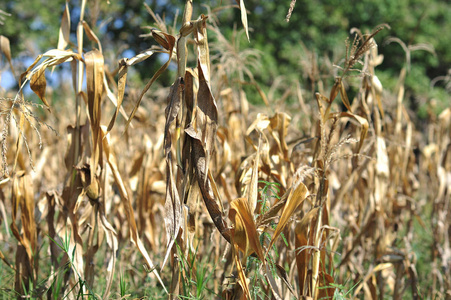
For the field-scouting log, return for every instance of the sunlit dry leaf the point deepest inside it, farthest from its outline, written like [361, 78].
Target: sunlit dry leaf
[280, 122]
[134, 236]
[382, 173]
[122, 74]
[252, 194]
[245, 233]
[371, 272]
[295, 199]
[23, 197]
[203, 53]
[94, 85]
[6, 50]
[260, 123]
[64, 31]
[243, 17]
[91, 35]
[301, 243]
[243, 281]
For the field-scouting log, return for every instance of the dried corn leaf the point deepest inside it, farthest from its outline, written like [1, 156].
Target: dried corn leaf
[172, 205]
[94, 84]
[371, 272]
[64, 31]
[38, 85]
[243, 17]
[170, 42]
[243, 281]
[294, 200]
[252, 194]
[363, 124]
[91, 35]
[272, 283]
[325, 286]
[111, 239]
[134, 236]
[23, 197]
[122, 74]
[6, 50]
[301, 244]
[382, 173]
[344, 97]
[203, 53]
[245, 233]
[280, 122]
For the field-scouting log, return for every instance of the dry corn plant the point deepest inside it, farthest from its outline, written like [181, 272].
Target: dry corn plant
[232, 203]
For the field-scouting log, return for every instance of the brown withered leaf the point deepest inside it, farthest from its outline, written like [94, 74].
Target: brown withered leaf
[23, 197]
[344, 97]
[172, 205]
[272, 283]
[207, 117]
[170, 40]
[280, 122]
[203, 52]
[111, 239]
[94, 84]
[245, 233]
[243, 281]
[38, 85]
[252, 194]
[6, 50]
[296, 197]
[325, 286]
[284, 276]
[198, 159]
[91, 35]
[134, 236]
[301, 244]
[363, 124]
[122, 74]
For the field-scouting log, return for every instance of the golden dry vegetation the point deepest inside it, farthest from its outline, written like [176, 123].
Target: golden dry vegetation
[191, 192]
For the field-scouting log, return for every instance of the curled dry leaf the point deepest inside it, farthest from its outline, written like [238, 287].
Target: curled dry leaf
[38, 85]
[169, 43]
[363, 124]
[6, 50]
[172, 205]
[295, 199]
[245, 234]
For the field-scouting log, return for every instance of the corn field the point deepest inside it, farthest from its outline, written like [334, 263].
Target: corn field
[191, 191]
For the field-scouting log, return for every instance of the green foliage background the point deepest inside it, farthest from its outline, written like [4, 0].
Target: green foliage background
[317, 31]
